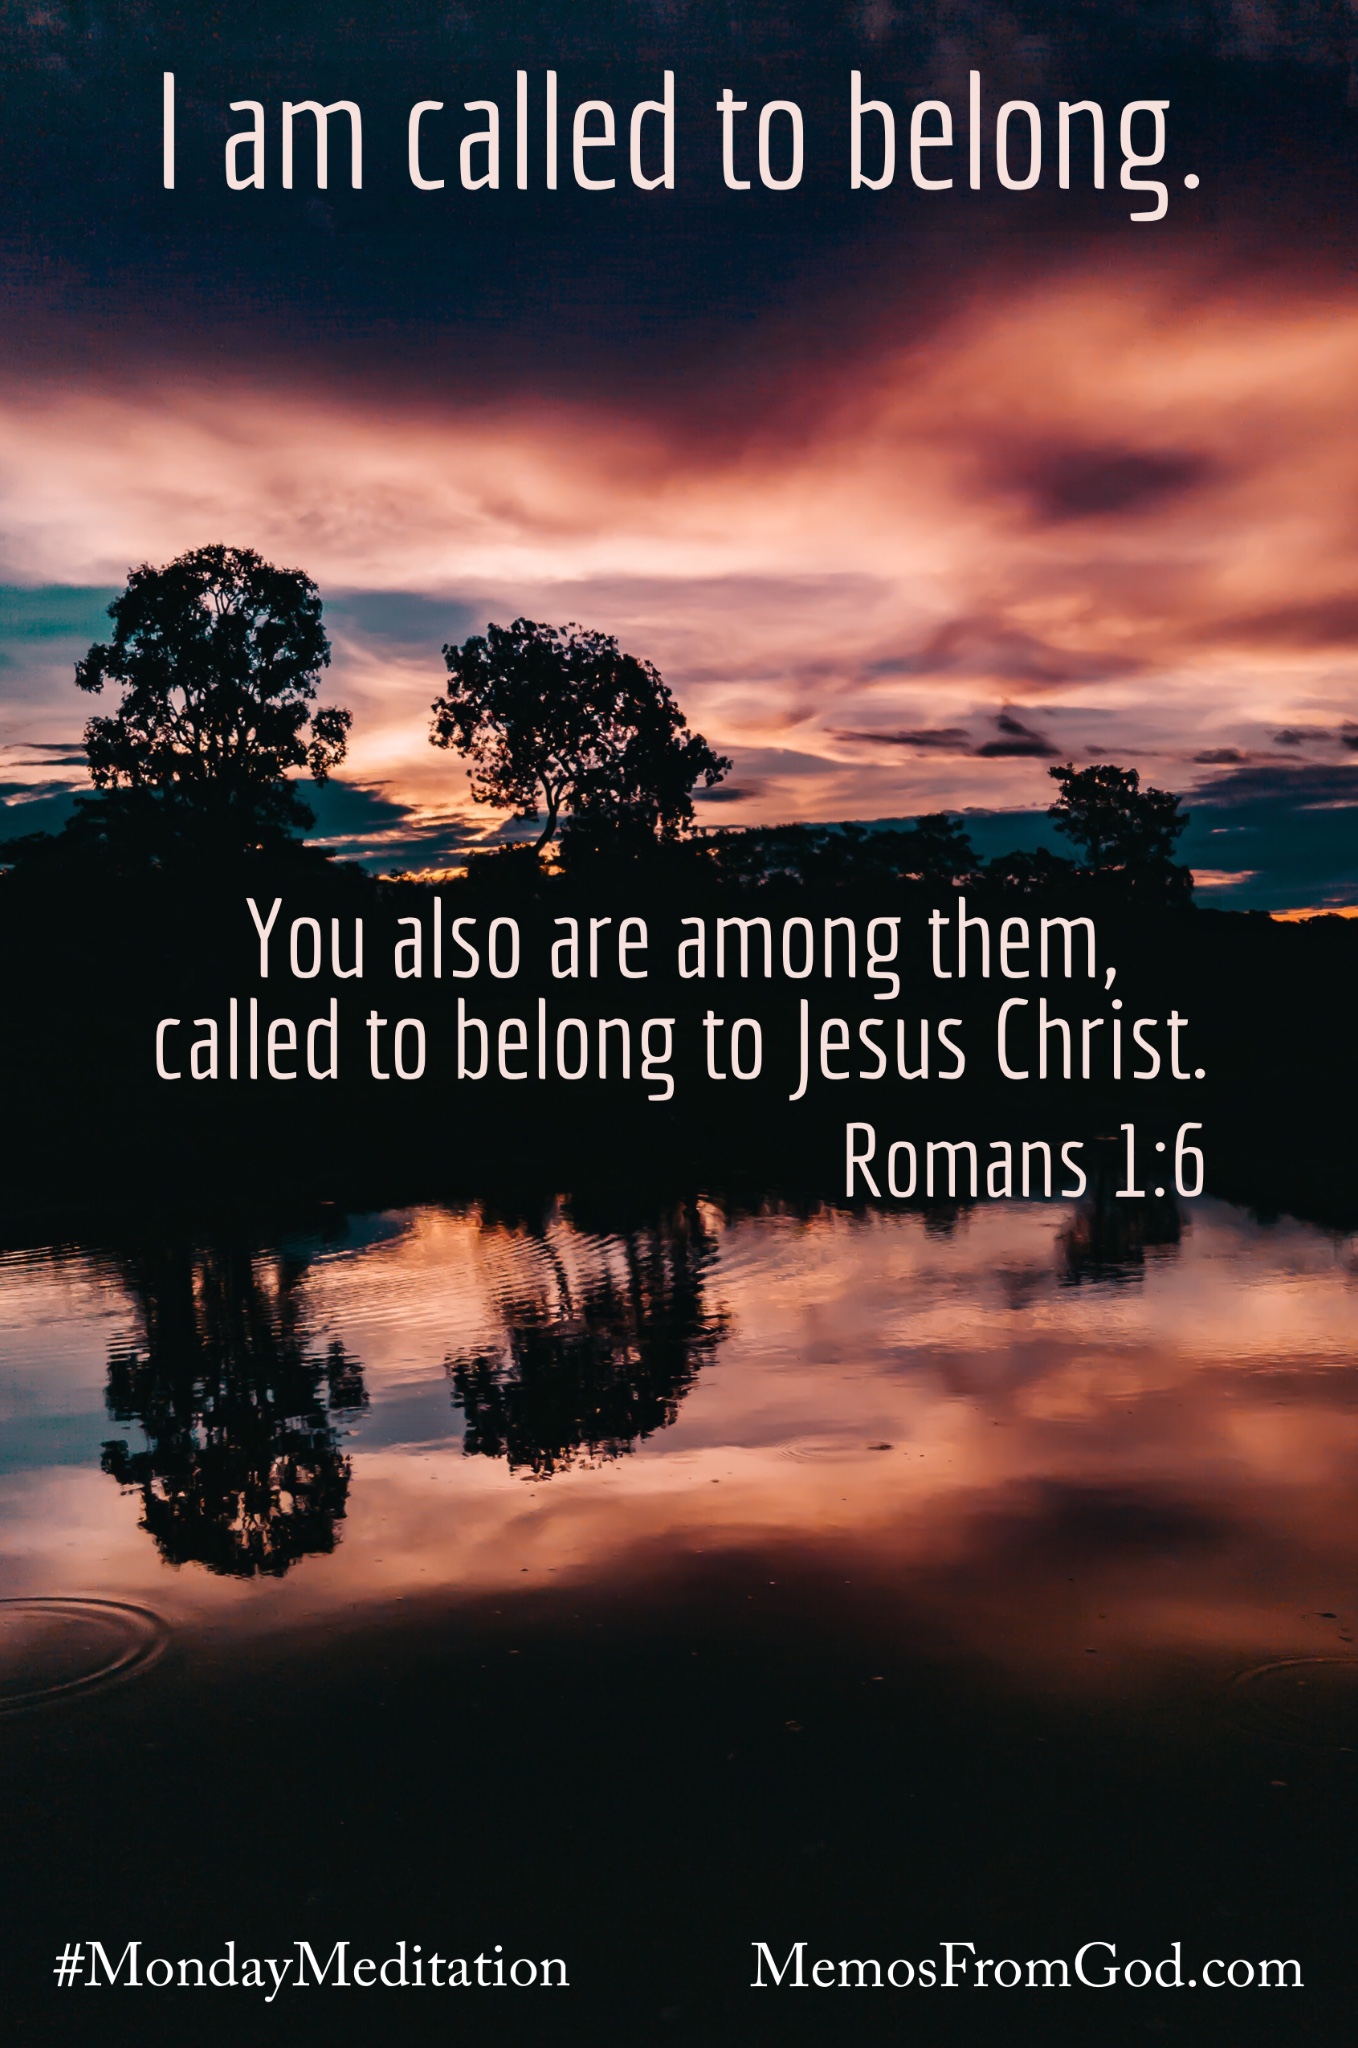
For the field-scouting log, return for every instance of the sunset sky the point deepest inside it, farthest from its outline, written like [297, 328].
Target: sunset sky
[908, 496]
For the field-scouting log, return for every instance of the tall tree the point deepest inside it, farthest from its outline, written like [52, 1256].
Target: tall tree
[1124, 831]
[554, 719]
[217, 656]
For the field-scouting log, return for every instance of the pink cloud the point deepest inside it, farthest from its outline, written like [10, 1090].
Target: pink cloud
[1120, 519]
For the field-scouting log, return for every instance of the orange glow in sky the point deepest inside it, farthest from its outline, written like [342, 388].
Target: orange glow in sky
[1083, 518]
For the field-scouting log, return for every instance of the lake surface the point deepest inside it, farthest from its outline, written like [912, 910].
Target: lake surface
[633, 1590]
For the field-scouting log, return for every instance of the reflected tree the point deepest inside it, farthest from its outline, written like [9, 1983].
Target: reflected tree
[243, 1469]
[593, 1362]
[1107, 1237]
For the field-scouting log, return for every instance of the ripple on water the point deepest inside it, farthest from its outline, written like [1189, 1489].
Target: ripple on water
[51, 1647]
[1310, 1701]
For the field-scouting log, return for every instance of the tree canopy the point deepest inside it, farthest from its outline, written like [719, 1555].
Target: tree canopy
[555, 719]
[1122, 830]
[217, 656]
[936, 848]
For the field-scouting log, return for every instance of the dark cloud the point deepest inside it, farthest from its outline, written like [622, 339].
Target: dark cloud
[1324, 622]
[1101, 482]
[1017, 741]
[725, 793]
[377, 831]
[569, 289]
[1345, 735]
[16, 793]
[1221, 757]
[1291, 828]
[941, 739]
[41, 754]
[1303, 786]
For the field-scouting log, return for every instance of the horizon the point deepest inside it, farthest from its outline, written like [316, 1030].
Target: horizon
[1291, 831]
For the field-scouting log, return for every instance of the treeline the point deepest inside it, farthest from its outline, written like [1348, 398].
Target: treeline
[217, 658]
[935, 851]
[136, 912]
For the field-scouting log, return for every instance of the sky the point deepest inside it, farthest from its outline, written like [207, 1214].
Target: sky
[908, 496]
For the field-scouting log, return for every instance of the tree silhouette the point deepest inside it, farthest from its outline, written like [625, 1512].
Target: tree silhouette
[1035, 872]
[243, 1470]
[936, 848]
[556, 719]
[217, 656]
[1124, 831]
[594, 1365]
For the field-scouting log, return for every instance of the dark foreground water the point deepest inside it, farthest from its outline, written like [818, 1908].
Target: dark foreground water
[634, 1595]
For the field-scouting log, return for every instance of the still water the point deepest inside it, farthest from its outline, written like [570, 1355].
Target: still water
[646, 1587]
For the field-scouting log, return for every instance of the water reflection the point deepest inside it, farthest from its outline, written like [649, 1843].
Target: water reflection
[1107, 1239]
[592, 1363]
[1161, 1457]
[243, 1469]
[928, 1575]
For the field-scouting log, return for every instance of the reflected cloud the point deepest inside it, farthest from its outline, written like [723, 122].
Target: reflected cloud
[1038, 1433]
